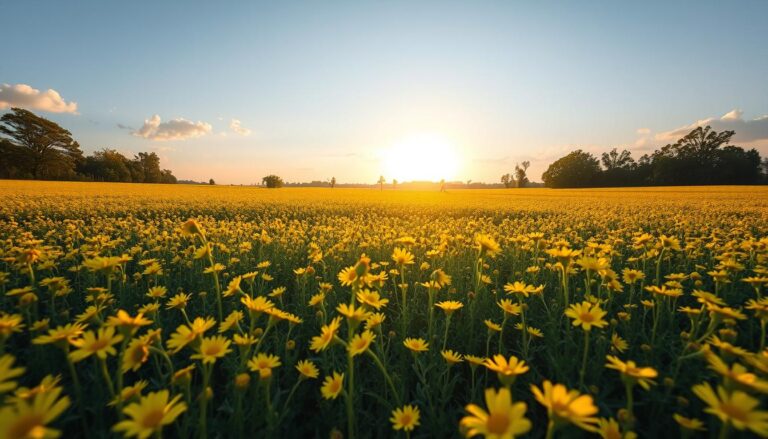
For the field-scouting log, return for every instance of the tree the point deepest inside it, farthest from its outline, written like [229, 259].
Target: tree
[40, 148]
[149, 165]
[106, 165]
[394, 183]
[619, 168]
[507, 180]
[577, 169]
[521, 178]
[272, 181]
[381, 182]
[212, 182]
[617, 160]
[333, 182]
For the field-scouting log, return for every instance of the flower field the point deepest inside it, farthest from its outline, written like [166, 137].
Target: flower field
[209, 311]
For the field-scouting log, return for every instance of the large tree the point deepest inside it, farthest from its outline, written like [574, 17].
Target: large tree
[41, 148]
[577, 169]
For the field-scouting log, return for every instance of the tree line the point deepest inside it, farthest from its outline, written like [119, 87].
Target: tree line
[32, 147]
[702, 157]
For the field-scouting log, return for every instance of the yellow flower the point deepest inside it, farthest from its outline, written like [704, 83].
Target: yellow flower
[95, 343]
[192, 227]
[402, 257]
[258, 305]
[374, 320]
[406, 418]
[522, 289]
[690, 424]
[327, 332]
[352, 313]
[307, 369]
[449, 306]
[564, 406]
[212, 348]
[632, 373]
[586, 315]
[8, 373]
[503, 420]
[507, 371]
[737, 373]
[185, 335]
[360, 342]
[150, 414]
[631, 276]
[10, 323]
[61, 335]
[347, 276]
[609, 429]
[332, 386]
[123, 320]
[451, 357]
[734, 408]
[28, 418]
[492, 327]
[371, 298]
[263, 364]
[179, 301]
[509, 307]
[618, 343]
[487, 245]
[474, 360]
[136, 354]
[416, 345]
[231, 321]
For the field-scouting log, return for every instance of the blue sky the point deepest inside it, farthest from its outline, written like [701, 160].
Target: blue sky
[327, 88]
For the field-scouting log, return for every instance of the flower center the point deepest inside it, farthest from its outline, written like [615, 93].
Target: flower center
[498, 423]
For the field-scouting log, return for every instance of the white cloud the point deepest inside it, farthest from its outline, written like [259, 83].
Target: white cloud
[746, 131]
[175, 129]
[24, 96]
[235, 126]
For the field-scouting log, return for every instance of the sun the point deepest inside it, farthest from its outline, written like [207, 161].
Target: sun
[421, 157]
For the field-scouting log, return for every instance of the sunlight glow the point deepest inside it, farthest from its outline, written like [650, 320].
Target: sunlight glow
[421, 157]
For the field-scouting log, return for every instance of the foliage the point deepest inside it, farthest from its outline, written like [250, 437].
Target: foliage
[702, 157]
[267, 305]
[577, 169]
[521, 177]
[272, 181]
[37, 147]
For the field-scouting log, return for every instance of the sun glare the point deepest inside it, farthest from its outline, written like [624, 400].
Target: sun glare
[421, 157]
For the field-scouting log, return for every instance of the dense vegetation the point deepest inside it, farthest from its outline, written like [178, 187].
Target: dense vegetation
[209, 311]
[32, 147]
[703, 157]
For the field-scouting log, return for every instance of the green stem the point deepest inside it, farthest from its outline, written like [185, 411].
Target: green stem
[584, 360]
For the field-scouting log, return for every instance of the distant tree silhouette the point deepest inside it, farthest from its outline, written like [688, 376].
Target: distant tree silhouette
[212, 182]
[381, 182]
[701, 157]
[521, 177]
[577, 169]
[394, 183]
[507, 180]
[107, 165]
[333, 182]
[38, 147]
[272, 181]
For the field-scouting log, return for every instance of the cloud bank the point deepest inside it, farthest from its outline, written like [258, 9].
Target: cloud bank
[236, 126]
[24, 96]
[174, 129]
[747, 131]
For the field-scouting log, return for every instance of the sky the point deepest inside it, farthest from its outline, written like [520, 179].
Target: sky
[405, 89]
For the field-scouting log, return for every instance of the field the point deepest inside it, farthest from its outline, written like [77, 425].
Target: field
[210, 311]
